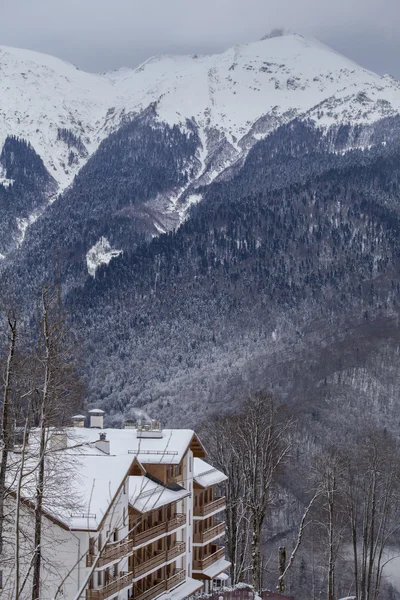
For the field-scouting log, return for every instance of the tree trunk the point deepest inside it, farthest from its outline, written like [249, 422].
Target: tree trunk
[282, 567]
[256, 554]
[331, 564]
[41, 468]
[6, 424]
[17, 590]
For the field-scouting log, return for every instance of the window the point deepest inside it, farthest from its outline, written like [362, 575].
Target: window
[124, 516]
[190, 464]
[190, 517]
[177, 470]
[91, 545]
[1, 580]
[125, 486]
[99, 579]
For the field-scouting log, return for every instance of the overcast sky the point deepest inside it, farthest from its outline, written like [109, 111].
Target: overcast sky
[100, 35]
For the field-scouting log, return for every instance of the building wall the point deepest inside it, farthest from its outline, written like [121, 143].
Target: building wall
[63, 553]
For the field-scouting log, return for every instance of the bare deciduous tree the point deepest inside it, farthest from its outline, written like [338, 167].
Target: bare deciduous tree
[250, 447]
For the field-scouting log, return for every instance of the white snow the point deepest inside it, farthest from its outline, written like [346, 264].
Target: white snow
[100, 254]
[96, 476]
[168, 449]
[282, 76]
[146, 495]
[183, 591]
[4, 181]
[216, 568]
[23, 225]
[206, 475]
[228, 91]
[191, 200]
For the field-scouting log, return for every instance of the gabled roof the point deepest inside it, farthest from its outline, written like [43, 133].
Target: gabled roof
[88, 479]
[205, 475]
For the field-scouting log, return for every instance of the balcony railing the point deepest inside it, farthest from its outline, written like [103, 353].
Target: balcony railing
[158, 559]
[202, 565]
[113, 551]
[113, 587]
[151, 593]
[177, 578]
[210, 507]
[160, 587]
[205, 536]
[141, 537]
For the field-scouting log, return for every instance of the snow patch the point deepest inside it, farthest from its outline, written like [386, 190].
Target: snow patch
[23, 224]
[159, 228]
[183, 211]
[100, 254]
[6, 182]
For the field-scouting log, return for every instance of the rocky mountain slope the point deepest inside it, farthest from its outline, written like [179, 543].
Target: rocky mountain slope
[227, 102]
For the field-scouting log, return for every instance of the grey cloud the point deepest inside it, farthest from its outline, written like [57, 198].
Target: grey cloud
[99, 35]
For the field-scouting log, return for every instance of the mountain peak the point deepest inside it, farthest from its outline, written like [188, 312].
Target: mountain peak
[279, 32]
[285, 74]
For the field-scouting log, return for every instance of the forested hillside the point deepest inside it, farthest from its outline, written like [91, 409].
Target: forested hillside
[294, 257]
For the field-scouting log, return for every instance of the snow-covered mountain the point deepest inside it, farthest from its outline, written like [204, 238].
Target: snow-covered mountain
[250, 88]
[222, 103]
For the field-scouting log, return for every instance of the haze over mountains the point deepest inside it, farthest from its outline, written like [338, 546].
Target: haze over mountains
[219, 222]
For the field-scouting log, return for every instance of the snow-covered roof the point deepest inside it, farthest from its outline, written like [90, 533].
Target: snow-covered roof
[217, 568]
[206, 475]
[189, 587]
[87, 478]
[168, 449]
[80, 480]
[146, 495]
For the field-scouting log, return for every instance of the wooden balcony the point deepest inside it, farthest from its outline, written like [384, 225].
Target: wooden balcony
[112, 551]
[158, 559]
[202, 565]
[140, 537]
[160, 587]
[210, 507]
[178, 549]
[177, 578]
[205, 536]
[113, 587]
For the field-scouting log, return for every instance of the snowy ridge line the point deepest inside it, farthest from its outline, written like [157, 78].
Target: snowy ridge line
[228, 92]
